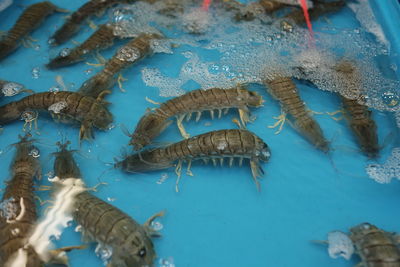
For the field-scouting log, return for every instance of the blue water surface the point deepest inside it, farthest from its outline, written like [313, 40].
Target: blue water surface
[218, 218]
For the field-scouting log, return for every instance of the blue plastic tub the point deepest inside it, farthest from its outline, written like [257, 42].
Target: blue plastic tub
[218, 218]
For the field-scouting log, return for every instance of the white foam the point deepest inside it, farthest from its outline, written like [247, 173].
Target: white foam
[384, 173]
[12, 88]
[58, 107]
[57, 217]
[8, 209]
[340, 245]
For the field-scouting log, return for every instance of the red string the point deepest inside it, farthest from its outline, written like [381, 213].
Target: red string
[303, 4]
[206, 4]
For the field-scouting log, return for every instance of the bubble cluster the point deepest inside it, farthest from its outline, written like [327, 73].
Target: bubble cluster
[340, 245]
[164, 176]
[222, 145]
[384, 173]
[120, 14]
[65, 52]
[130, 54]
[196, 21]
[11, 88]
[166, 262]
[36, 73]
[34, 153]
[161, 46]
[103, 252]
[8, 209]
[58, 107]
[156, 225]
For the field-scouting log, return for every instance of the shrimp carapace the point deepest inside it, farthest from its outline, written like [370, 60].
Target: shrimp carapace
[30, 19]
[194, 102]
[285, 91]
[64, 164]
[127, 55]
[64, 107]
[356, 111]
[87, 10]
[101, 222]
[362, 126]
[214, 146]
[18, 214]
[101, 39]
[376, 247]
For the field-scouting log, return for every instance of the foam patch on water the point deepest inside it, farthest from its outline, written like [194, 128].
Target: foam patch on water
[340, 245]
[207, 74]
[12, 88]
[384, 173]
[8, 209]
[252, 52]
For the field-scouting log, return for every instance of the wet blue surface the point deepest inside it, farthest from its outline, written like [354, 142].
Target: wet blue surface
[218, 218]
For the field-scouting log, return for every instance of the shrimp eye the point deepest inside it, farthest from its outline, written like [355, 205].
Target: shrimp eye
[142, 252]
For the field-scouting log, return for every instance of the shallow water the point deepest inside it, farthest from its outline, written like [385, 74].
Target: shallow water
[218, 218]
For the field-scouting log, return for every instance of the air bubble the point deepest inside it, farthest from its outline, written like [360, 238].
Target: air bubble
[156, 225]
[8, 208]
[164, 176]
[55, 89]
[34, 153]
[58, 107]
[129, 54]
[88, 71]
[161, 46]
[35, 73]
[15, 231]
[384, 173]
[12, 88]
[214, 69]
[222, 145]
[197, 21]
[340, 245]
[390, 98]
[166, 262]
[65, 52]
[121, 14]
[104, 252]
